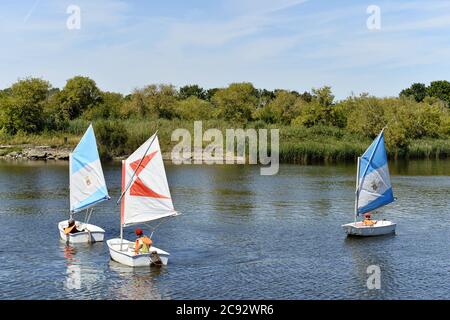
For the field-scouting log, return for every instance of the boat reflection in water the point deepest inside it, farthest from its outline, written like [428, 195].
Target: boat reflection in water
[370, 268]
[136, 283]
[81, 273]
[73, 270]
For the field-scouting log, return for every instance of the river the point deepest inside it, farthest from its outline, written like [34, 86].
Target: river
[241, 236]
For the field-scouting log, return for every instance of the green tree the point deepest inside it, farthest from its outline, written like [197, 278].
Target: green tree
[135, 105]
[160, 100]
[264, 97]
[152, 101]
[306, 96]
[237, 102]
[417, 90]
[210, 93]
[366, 116]
[440, 89]
[194, 108]
[24, 104]
[323, 96]
[310, 114]
[109, 108]
[192, 91]
[78, 95]
[282, 109]
[318, 111]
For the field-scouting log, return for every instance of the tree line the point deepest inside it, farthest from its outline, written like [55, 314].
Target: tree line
[32, 105]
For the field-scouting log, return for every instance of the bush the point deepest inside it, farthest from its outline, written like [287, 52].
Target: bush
[111, 138]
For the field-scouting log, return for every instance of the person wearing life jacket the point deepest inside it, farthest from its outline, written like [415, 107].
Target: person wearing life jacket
[71, 227]
[368, 220]
[143, 243]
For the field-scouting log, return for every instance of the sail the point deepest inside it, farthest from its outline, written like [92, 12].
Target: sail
[148, 196]
[375, 189]
[87, 183]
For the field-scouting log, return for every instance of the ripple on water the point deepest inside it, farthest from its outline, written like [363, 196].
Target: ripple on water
[242, 236]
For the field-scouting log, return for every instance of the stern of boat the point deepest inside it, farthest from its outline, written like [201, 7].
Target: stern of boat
[94, 233]
[122, 251]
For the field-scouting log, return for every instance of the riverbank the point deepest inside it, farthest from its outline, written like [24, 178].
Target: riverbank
[297, 144]
[30, 152]
[49, 153]
[301, 152]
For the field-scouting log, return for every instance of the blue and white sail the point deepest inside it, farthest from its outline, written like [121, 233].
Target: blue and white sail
[375, 189]
[87, 183]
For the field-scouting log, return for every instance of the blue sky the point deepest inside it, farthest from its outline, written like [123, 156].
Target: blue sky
[292, 44]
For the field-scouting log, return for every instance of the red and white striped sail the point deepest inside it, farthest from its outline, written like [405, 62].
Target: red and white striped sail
[148, 197]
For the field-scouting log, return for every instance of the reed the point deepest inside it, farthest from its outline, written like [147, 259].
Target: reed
[298, 144]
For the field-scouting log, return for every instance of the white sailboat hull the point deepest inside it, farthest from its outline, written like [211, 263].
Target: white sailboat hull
[95, 234]
[382, 227]
[127, 256]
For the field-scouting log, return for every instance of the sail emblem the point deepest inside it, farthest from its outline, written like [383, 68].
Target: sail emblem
[87, 181]
[375, 184]
[138, 188]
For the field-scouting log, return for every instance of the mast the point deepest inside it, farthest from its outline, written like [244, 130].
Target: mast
[357, 188]
[121, 235]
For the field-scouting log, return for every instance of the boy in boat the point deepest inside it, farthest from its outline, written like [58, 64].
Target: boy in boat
[71, 227]
[368, 220]
[143, 243]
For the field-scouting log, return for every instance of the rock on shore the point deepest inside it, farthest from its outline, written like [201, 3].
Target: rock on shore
[34, 152]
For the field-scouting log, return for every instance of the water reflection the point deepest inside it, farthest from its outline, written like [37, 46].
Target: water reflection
[136, 283]
[241, 235]
[372, 251]
[82, 274]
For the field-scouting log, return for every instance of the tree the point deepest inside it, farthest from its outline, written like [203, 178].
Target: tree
[306, 96]
[318, 111]
[366, 116]
[192, 91]
[78, 95]
[417, 90]
[282, 109]
[210, 93]
[264, 97]
[310, 114]
[194, 108]
[109, 108]
[160, 99]
[152, 101]
[237, 102]
[135, 105]
[323, 96]
[441, 90]
[23, 106]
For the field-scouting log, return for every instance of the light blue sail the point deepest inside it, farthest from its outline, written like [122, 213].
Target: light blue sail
[87, 183]
[375, 189]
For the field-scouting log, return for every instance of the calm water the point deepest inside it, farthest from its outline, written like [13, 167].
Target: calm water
[242, 236]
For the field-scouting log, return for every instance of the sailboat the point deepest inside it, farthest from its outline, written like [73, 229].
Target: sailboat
[373, 191]
[87, 188]
[145, 198]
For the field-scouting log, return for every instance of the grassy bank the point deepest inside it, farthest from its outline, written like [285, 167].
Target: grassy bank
[297, 143]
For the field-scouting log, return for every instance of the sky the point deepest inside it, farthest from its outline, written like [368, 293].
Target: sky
[290, 44]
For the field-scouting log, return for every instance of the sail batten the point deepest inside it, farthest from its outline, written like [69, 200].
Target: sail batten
[146, 194]
[87, 183]
[375, 189]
